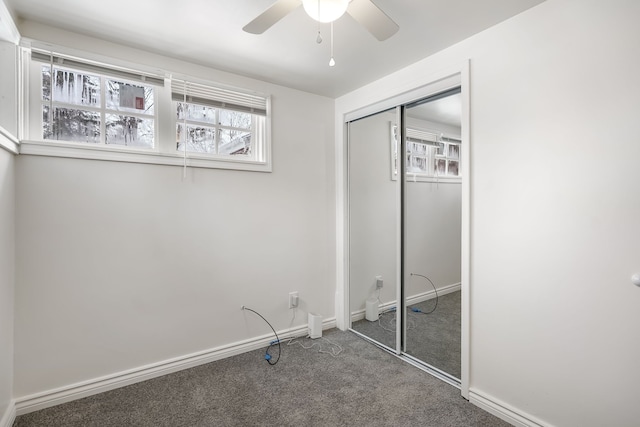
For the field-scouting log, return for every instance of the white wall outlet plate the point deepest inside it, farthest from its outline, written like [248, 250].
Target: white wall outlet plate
[379, 282]
[293, 299]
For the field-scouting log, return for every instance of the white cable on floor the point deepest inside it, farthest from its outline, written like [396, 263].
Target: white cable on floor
[333, 351]
[410, 324]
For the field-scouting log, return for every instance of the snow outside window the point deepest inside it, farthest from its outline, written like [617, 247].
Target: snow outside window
[219, 122]
[214, 130]
[85, 109]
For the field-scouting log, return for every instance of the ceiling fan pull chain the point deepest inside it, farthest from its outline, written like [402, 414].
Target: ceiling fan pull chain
[332, 61]
[319, 38]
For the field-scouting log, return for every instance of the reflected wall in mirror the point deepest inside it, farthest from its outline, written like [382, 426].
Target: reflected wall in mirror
[374, 215]
[432, 234]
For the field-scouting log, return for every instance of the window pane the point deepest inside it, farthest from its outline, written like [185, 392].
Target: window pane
[441, 166]
[418, 165]
[129, 97]
[417, 148]
[200, 139]
[71, 125]
[129, 131]
[452, 168]
[234, 142]
[47, 128]
[198, 113]
[235, 119]
[46, 83]
[71, 87]
[454, 151]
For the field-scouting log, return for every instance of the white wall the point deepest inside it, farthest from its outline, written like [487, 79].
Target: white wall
[8, 30]
[8, 132]
[432, 228]
[554, 208]
[7, 279]
[120, 265]
[8, 93]
[8, 84]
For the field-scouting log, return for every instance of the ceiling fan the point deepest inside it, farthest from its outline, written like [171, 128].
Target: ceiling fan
[364, 12]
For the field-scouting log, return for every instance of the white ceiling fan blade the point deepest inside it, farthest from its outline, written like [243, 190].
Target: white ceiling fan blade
[266, 19]
[373, 19]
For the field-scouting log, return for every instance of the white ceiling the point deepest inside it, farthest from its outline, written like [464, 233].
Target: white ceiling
[209, 32]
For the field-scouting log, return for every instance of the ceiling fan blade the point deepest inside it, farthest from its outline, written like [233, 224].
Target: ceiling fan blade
[373, 19]
[266, 19]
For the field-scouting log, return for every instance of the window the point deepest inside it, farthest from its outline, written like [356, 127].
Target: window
[418, 154]
[218, 122]
[94, 108]
[429, 155]
[448, 157]
[84, 109]
[213, 130]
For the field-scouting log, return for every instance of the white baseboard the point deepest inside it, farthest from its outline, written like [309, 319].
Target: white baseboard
[504, 411]
[24, 405]
[9, 416]
[414, 299]
[357, 315]
[424, 296]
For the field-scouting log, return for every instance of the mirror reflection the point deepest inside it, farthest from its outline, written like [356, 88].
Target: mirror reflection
[432, 238]
[374, 211]
[425, 206]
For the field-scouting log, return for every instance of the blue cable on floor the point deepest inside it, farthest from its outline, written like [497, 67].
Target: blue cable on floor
[268, 356]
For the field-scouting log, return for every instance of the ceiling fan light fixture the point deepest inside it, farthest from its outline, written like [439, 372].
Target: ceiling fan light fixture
[325, 10]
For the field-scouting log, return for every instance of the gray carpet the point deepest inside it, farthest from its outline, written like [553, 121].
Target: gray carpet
[382, 331]
[361, 386]
[433, 338]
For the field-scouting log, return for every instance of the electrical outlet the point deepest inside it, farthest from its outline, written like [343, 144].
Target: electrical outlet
[379, 282]
[293, 299]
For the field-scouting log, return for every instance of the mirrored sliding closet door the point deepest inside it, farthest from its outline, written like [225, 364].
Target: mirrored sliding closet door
[405, 231]
[374, 224]
[432, 232]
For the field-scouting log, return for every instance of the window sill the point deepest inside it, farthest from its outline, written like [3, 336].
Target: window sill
[439, 180]
[414, 177]
[39, 148]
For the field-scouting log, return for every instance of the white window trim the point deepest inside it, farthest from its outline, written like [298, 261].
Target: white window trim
[8, 141]
[161, 154]
[42, 148]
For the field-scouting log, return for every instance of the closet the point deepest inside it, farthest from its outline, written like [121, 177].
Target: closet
[404, 169]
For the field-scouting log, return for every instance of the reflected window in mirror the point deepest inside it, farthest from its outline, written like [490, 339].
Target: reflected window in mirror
[430, 155]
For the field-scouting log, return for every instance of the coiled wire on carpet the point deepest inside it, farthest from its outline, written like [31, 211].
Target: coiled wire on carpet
[334, 350]
[391, 323]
